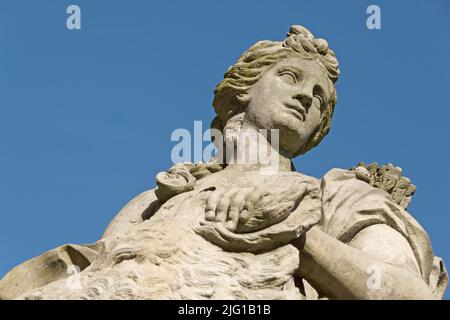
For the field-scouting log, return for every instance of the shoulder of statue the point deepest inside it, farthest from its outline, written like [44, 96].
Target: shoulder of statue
[135, 211]
[302, 176]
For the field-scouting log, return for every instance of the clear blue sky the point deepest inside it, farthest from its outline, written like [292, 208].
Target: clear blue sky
[86, 115]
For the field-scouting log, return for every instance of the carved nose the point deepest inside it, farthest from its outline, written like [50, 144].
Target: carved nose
[305, 100]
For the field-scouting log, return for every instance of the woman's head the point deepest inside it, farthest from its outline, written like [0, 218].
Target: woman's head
[285, 85]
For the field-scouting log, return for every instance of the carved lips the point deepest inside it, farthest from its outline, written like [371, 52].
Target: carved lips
[299, 111]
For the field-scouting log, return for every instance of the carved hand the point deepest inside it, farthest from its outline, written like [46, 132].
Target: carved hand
[234, 207]
[256, 219]
[251, 208]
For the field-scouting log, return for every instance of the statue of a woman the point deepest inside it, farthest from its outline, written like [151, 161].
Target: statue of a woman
[229, 230]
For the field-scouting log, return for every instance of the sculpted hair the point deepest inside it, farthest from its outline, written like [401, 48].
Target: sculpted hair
[239, 78]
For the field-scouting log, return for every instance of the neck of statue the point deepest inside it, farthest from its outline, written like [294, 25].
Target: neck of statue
[251, 148]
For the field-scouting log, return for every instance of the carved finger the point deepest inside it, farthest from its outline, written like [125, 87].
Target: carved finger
[244, 216]
[256, 195]
[236, 206]
[252, 197]
[224, 204]
[211, 205]
[205, 194]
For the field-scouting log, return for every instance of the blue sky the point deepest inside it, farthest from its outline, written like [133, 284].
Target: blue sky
[86, 115]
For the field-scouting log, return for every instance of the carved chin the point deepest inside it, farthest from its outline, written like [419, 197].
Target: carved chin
[292, 137]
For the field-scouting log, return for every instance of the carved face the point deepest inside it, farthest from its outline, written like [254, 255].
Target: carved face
[289, 96]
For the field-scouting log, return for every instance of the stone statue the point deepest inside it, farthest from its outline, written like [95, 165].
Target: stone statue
[226, 230]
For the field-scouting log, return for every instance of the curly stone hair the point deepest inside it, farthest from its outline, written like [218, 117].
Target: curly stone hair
[239, 78]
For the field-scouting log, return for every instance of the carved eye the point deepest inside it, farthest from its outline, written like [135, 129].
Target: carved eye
[318, 95]
[289, 76]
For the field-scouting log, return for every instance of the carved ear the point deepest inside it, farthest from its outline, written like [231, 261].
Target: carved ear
[243, 98]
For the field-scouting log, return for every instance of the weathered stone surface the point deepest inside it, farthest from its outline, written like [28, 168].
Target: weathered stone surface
[237, 231]
[387, 178]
